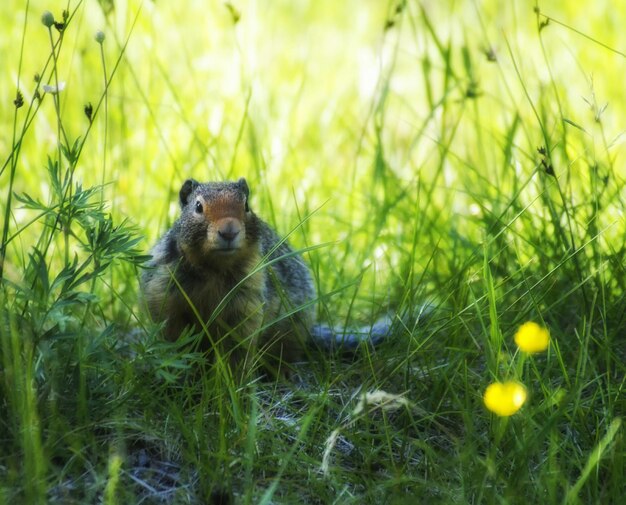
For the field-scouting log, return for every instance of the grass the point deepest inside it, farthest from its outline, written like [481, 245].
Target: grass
[466, 156]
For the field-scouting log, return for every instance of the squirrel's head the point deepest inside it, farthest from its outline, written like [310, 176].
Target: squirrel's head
[216, 222]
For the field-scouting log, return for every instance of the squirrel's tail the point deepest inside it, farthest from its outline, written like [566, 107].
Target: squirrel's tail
[348, 339]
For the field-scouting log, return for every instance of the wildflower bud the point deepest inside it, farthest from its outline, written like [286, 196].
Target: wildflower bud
[19, 100]
[100, 37]
[37, 78]
[47, 18]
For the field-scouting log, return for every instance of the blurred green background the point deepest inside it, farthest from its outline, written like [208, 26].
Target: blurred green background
[321, 104]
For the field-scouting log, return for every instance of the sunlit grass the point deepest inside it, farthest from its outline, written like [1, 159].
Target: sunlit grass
[461, 162]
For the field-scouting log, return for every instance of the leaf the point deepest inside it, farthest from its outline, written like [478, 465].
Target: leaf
[30, 203]
[39, 268]
[71, 154]
[575, 125]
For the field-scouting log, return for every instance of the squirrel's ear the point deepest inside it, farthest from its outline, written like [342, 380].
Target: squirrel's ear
[187, 188]
[244, 186]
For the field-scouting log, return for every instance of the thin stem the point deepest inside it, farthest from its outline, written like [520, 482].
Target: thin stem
[60, 132]
[12, 157]
[106, 122]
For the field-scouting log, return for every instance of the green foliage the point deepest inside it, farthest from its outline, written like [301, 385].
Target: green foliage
[436, 162]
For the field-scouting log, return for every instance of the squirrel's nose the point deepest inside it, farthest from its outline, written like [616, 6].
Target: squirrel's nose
[229, 231]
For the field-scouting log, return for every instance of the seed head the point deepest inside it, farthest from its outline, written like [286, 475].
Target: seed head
[100, 36]
[19, 100]
[89, 111]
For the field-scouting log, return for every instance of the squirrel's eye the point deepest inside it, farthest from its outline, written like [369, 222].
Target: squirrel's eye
[199, 207]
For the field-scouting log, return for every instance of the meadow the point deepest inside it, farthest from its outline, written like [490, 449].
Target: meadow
[457, 166]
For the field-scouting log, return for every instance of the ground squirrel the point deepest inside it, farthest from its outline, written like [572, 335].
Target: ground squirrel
[222, 270]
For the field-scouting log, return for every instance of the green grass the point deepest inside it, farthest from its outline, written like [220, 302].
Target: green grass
[466, 155]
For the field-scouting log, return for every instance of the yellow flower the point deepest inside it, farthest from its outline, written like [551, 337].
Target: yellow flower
[505, 398]
[532, 338]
